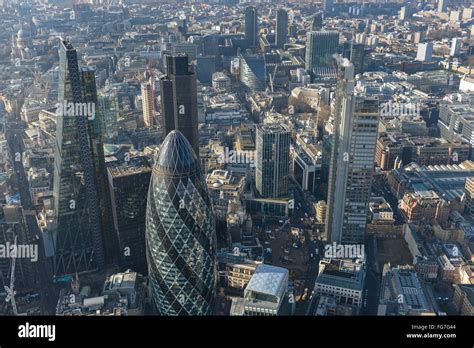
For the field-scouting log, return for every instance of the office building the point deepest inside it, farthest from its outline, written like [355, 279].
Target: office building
[380, 211]
[96, 129]
[317, 23]
[253, 75]
[306, 165]
[405, 13]
[418, 37]
[425, 52]
[185, 48]
[281, 31]
[341, 279]
[442, 6]
[328, 6]
[352, 160]
[448, 181]
[454, 17]
[266, 293]
[205, 68]
[180, 232]
[251, 26]
[321, 211]
[467, 13]
[109, 106]
[148, 108]
[128, 185]
[455, 118]
[456, 44]
[320, 48]
[422, 205]
[402, 293]
[123, 294]
[463, 299]
[77, 230]
[236, 271]
[179, 109]
[395, 149]
[469, 196]
[355, 53]
[273, 160]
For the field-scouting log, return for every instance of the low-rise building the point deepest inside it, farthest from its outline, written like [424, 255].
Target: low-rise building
[321, 211]
[423, 205]
[235, 271]
[341, 279]
[446, 268]
[380, 210]
[267, 293]
[306, 165]
[422, 150]
[463, 299]
[122, 294]
[402, 293]
[224, 186]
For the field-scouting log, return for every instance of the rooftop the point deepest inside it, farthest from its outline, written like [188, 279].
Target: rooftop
[134, 166]
[269, 280]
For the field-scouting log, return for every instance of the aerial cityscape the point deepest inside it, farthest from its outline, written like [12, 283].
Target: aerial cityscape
[236, 158]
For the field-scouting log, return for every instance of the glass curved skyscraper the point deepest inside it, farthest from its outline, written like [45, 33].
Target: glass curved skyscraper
[180, 232]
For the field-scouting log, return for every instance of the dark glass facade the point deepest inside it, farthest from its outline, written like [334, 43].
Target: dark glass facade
[253, 73]
[356, 54]
[179, 99]
[251, 26]
[128, 186]
[180, 232]
[77, 238]
[281, 28]
[273, 160]
[320, 48]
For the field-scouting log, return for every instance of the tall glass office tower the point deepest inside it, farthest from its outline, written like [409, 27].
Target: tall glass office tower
[77, 236]
[251, 26]
[273, 160]
[180, 232]
[320, 48]
[352, 160]
[179, 109]
[281, 31]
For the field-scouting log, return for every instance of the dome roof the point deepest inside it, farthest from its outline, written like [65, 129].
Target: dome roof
[176, 154]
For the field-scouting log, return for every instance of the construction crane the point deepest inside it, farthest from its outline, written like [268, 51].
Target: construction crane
[272, 78]
[10, 290]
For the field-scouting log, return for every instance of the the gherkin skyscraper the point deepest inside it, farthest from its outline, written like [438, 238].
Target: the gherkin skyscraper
[180, 232]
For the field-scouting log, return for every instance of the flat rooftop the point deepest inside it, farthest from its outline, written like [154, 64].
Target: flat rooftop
[124, 168]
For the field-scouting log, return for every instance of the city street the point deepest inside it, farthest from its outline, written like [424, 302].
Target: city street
[370, 297]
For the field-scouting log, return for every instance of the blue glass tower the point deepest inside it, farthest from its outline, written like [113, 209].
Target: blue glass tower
[180, 232]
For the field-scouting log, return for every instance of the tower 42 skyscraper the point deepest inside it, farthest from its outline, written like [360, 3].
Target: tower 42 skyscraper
[352, 160]
[180, 232]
